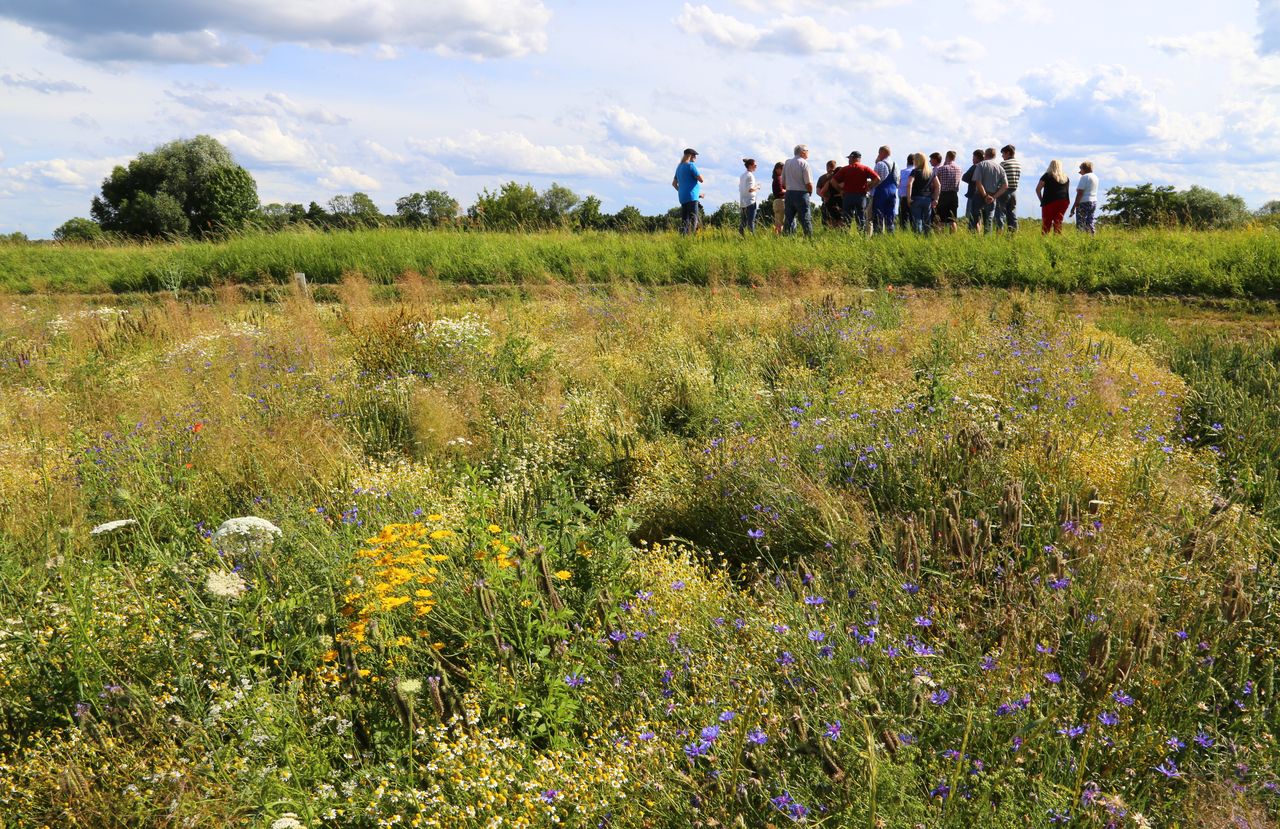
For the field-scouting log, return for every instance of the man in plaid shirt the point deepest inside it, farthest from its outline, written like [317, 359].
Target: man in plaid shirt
[949, 196]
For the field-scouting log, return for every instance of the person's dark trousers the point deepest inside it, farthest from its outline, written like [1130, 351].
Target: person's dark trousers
[904, 213]
[882, 210]
[1007, 211]
[854, 207]
[797, 206]
[985, 212]
[922, 213]
[748, 219]
[688, 217]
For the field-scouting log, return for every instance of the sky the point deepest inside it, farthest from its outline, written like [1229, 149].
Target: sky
[390, 97]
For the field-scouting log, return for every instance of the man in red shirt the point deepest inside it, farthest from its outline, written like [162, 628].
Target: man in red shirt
[856, 180]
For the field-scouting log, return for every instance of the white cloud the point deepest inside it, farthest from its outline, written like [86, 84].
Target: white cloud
[209, 31]
[347, 178]
[793, 6]
[261, 139]
[629, 129]
[785, 35]
[1029, 11]
[57, 173]
[382, 153]
[41, 84]
[1230, 46]
[885, 97]
[512, 153]
[1269, 26]
[1107, 109]
[316, 115]
[956, 50]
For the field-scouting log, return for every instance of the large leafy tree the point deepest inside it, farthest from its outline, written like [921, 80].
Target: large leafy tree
[434, 207]
[189, 186]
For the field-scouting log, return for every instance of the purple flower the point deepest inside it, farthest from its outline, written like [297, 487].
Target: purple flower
[786, 659]
[677, 585]
[756, 533]
[1168, 768]
[1053, 676]
[940, 697]
[814, 601]
[988, 663]
[695, 750]
[617, 636]
[1174, 743]
[1108, 718]
[727, 716]
[911, 589]
[1071, 732]
[833, 730]
[940, 792]
[647, 736]
[826, 651]
[924, 621]
[1182, 635]
[1203, 739]
[550, 795]
[780, 629]
[757, 737]
[710, 733]
[1121, 697]
[574, 680]
[1060, 584]
[816, 636]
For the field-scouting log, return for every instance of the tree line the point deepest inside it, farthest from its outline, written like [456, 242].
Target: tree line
[194, 188]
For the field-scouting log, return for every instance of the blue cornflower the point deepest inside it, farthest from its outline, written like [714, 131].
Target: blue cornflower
[1053, 676]
[924, 621]
[826, 651]
[1108, 718]
[1174, 743]
[911, 589]
[550, 795]
[694, 750]
[940, 697]
[1168, 768]
[1121, 697]
[786, 659]
[574, 680]
[1071, 732]
[755, 533]
[780, 629]
[617, 636]
[833, 730]
[677, 585]
[1060, 584]
[727, 716]
[647, 735]
[757, 737]
[710, 733]
[988, 663]
[1203, 739]
[816, 636]
[814, 601]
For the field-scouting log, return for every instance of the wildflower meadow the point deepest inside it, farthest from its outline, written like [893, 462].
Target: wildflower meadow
[626, 556]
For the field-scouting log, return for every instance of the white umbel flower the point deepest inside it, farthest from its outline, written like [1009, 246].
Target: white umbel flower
[112, 526]
[288, 821]
[224, 584]
[248, 534]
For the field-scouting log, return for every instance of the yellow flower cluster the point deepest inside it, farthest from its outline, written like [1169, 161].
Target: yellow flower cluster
[395, 570]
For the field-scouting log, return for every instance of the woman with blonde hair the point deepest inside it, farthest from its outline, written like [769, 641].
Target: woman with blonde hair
[1054, 192]
[922, 193]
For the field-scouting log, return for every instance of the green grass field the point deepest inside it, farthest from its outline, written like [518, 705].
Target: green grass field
[1243, 263]
[632, 556]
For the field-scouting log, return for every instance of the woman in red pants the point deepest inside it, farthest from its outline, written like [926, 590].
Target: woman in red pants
[1054, 191]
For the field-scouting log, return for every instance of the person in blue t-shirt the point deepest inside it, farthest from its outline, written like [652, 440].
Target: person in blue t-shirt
[688, 184]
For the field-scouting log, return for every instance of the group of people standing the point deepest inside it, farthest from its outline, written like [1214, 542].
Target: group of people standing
[924, 194]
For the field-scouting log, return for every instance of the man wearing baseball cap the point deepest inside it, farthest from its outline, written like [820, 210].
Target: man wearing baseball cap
[856, 180]
[688, 184]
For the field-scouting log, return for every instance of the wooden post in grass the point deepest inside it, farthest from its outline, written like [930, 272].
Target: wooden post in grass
[300, 282]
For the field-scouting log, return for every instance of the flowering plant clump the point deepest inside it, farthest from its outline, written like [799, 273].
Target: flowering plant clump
[247, 535]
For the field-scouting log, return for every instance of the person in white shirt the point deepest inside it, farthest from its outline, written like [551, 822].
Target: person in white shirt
[747, 189]
[797, 178]
[1086, 204]
[904, 204]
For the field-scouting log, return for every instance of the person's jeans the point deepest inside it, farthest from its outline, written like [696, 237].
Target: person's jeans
[854, 207]
[688, 217]
[1007, 211]
[883, 206]
[797, 206]
[980, 210]
[904, 212]
[922, 213]
[748, 219]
